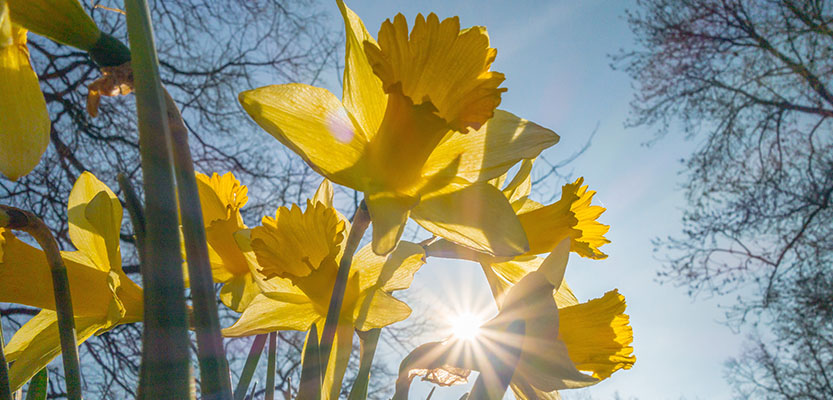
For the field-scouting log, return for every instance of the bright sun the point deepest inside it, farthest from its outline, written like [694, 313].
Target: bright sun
[465, 326]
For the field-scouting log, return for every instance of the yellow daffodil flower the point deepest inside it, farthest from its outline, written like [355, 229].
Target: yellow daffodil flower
[416, 131]
[545, 226]
[24, 122]
[63, 21]
[298, 254]
[102, 295]
[221, 198]
[565, 344]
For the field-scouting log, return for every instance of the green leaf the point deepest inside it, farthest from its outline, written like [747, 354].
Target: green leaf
[37, 386]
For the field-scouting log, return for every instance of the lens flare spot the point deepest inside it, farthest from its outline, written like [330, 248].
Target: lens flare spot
[466, 326]
[340, 125]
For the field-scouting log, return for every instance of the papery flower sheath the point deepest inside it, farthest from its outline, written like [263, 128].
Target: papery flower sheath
[102, 295]
[297, 253]
[416, 131]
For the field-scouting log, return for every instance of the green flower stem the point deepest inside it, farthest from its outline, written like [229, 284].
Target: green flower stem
[249, 367]
[34, 226]
[5, 387]
[37, 385]
[270, 366]
[215, 382]
[311, 375]
[136, 212]
[492, 382]
[369, 340]
[165, 353]
[361, 220]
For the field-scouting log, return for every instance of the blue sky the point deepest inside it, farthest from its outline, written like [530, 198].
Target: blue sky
[555, 57]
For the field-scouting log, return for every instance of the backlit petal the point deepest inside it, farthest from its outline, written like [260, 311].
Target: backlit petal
[440, 64]
[95, 214]
[389, 213]
[592, 231]
[37, 343]
[314, 124]
[265, 315]
[238, 292]
[25, 278]
[476, 216]
[324, 194]
[492, 150]
[378, 309]
[363, 95]
[392, 272]
[24, 122]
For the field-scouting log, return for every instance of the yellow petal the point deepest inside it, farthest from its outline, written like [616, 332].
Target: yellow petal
[295, 243]
[598, 335]
[237, 293]
[363, 95]
[315, 125]
[546, 226]
[24, 122]
[61, 20]
[476, 216]
[221, 197]
[388, 213]
[94, 214]
[492, 150]
[378, 309]
[339, 358]
[25, 278]
[227, 260]
[265, 315]
[324, 194]
[503, 275]
[524, 391]
[518, 189]
[440, 64]
[392, 272]
[592, 231]
[37, 343]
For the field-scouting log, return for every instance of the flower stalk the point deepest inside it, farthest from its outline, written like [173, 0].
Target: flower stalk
[270, 366]
[249, 367]
[369, 341]
[5, 387]
[360, 222]
[166, 368]
[13, 218]
[215, 382]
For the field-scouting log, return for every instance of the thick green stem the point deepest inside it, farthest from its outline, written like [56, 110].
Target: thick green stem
[369, 341]
[215, 382]
[34, 226]
[270, 366]
[5, 387]
[361, 220]
[166, 362]
[250, 367]
[493, 381]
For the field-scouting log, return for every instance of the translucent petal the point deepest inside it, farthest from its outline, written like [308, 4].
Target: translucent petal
[476, 216]
[314, 124]
[95, 214]
[388, 213]
[24, 122]
[490, 151]
[265, 315]
[392, 272]
[378, 309]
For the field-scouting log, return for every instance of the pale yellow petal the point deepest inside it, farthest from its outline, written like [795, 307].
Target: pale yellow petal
[25, 278]
[221, 197]
[388, 213]
[226, 258]
[265, 315]
[314, 124]
[363, 95]
[37, 343]
[378, 309]
[324, 194]
[518, 189]
[392, 272]
[490, 151]
[440, 64]
[238, 292]
[476, 216]
[24, 122]
[598, 335]
[95, 214]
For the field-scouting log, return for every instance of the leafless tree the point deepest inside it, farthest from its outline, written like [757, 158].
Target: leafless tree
[750, 83]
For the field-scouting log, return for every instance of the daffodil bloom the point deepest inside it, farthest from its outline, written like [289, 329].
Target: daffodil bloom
[565, 344]
[102, 295]
[24, 122]
[221, 198]
[572, 217]
[63, 21]
[298, 254]
[416, 131]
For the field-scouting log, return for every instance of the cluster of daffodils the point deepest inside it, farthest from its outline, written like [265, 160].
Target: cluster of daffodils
[418, 132]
